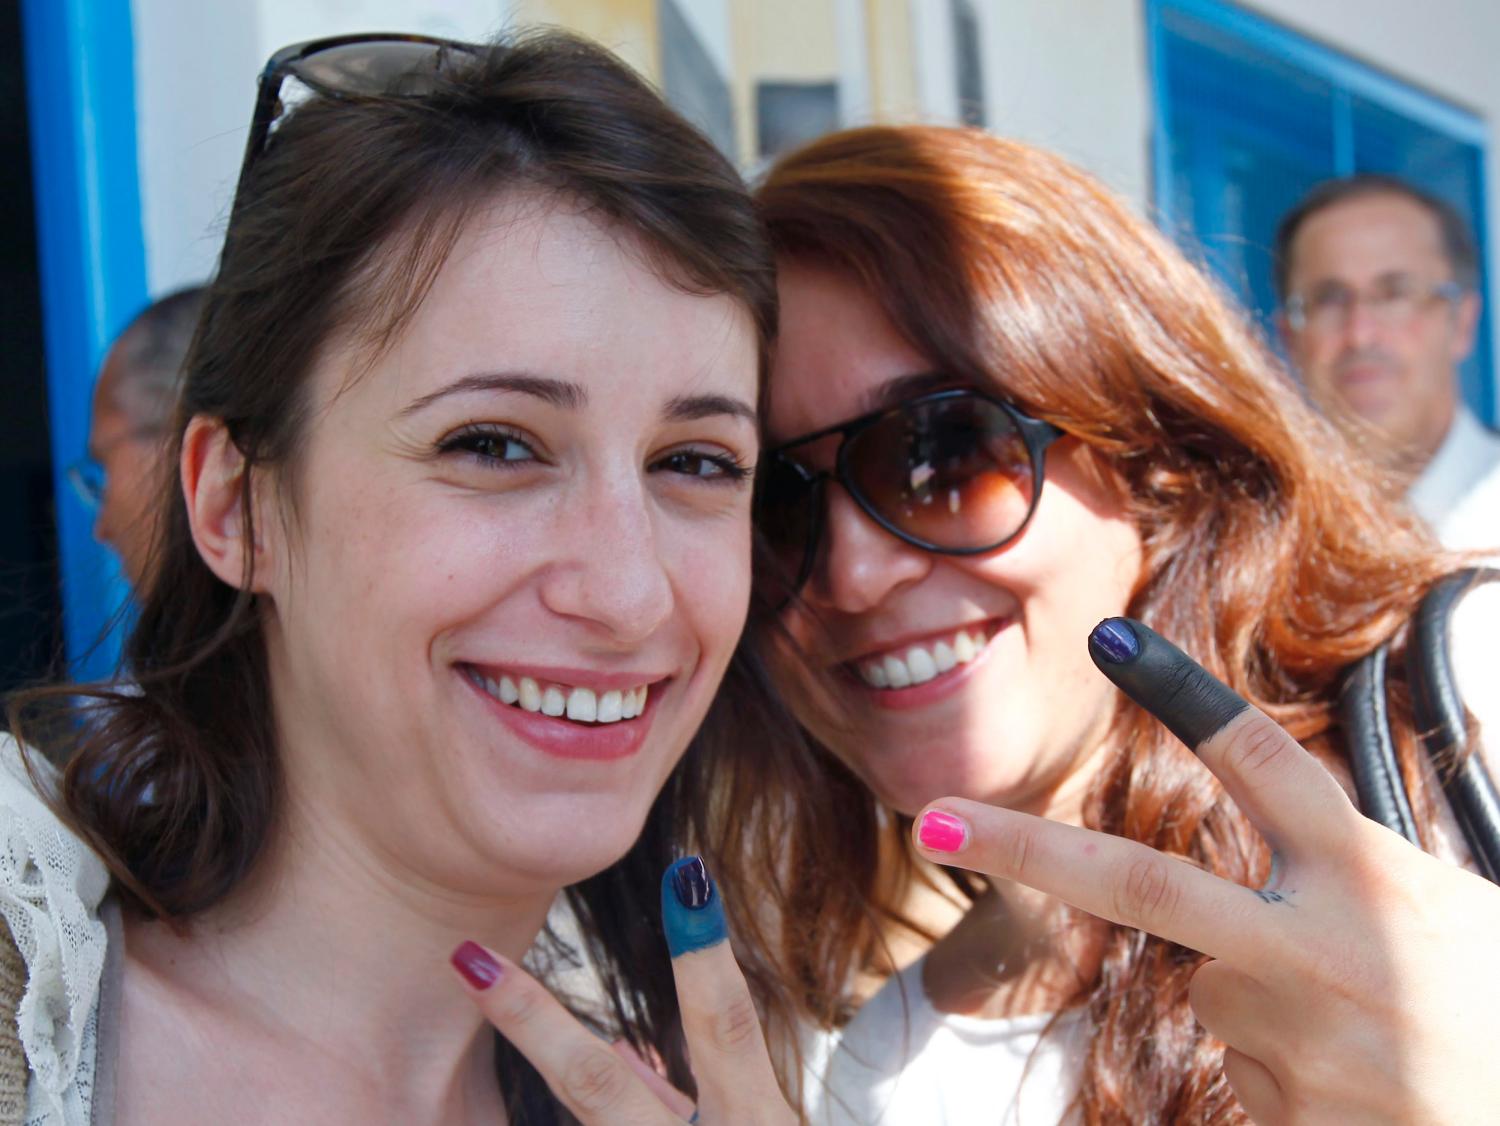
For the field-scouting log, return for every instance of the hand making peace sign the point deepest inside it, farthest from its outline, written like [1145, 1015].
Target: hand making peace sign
[1361, 984]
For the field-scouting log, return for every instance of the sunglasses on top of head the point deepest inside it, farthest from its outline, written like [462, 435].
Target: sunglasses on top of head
[956, 472]
[381, 64]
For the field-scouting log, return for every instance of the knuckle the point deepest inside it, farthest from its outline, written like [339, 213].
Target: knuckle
[594, 1080]
[736, 1027]
[1017, 851]
[1258, 746]
[1147, 892]
[517, 1006]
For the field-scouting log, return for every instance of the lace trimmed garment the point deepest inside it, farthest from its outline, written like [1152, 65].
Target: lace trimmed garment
[51, 890]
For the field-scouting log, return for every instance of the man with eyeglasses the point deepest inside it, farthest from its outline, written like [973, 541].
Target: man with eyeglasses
[133, 401]
[1378, 283]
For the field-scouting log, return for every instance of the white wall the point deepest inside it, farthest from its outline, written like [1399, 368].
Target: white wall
[196, 63]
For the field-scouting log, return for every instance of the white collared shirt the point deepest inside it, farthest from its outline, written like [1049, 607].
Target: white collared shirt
[1458, 493]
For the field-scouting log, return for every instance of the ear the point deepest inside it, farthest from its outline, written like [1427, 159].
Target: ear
[213, 474]
[1465, 323]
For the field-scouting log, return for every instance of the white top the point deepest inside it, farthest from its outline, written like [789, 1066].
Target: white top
[1458, 492]
[51, 888]
[901, 1062]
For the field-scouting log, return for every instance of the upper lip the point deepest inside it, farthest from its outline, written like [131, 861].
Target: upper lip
[916, 637]
[574, 677]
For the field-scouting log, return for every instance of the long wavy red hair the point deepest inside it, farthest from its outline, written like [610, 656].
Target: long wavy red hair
[1272, 553]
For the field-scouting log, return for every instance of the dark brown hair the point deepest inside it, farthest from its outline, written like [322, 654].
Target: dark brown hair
[1458, 242]
[1270, 553]
[341, 227]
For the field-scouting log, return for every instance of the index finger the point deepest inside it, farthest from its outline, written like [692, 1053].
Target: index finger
[1288, 795]
[719, 1019]
[587, 1077]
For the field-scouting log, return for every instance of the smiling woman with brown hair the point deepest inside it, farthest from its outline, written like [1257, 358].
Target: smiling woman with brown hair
[1002, 409]
[454, 565]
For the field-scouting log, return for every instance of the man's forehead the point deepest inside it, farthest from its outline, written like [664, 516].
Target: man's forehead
[1365, 237]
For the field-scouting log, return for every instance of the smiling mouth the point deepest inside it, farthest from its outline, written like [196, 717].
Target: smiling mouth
[564, 701]
[907, 666]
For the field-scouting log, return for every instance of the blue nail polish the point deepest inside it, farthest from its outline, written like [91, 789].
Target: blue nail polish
[691, 912]
[1115, 641]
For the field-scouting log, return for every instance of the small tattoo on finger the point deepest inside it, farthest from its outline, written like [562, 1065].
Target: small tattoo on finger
[1270, 896]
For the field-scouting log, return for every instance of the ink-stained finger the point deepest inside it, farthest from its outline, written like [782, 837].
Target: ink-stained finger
[1288, 795]
[586, 1076]
[731, 1064]
[1111, 877]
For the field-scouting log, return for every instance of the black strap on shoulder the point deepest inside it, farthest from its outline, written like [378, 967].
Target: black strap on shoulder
[1441, 720]
[1372, 756]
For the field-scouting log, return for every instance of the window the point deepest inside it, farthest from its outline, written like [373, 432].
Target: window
[1250, 115]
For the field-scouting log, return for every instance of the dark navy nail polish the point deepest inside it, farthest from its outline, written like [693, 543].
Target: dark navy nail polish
[691, 912]
[1115, 641]
[691, 884]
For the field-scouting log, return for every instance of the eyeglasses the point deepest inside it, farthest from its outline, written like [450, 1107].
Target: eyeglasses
[87, 475]
[956, 472]
[347, 66]
[1394, 299]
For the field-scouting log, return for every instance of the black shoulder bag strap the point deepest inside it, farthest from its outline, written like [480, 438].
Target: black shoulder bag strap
[1439, 716]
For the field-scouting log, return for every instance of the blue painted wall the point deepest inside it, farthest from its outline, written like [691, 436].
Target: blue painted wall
[81, 91]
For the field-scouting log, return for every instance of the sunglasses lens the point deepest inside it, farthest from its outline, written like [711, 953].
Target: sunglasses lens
[952, 473]
[786, 516]
[384, 67]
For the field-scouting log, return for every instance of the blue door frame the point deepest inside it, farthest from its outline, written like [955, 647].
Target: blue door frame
[1349, 80]
[80, 84]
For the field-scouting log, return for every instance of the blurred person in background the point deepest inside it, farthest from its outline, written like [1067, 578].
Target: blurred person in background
[1379, 285]
[133, 401]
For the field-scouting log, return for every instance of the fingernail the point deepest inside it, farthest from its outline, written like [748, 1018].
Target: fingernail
[691, 884]
[692, 913]
[942, 832]
[476, 964]
[1115, 641]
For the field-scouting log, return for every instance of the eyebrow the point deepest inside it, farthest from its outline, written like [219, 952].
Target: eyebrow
[690, 408]
[895, 391]
[572, 396]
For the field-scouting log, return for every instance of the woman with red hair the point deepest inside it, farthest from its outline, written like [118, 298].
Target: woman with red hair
[1004, 408]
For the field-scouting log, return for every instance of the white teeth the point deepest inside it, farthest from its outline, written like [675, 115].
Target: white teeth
[896, 672]
[920, 664]
[530, 695]
[583, 705]
[964, 648]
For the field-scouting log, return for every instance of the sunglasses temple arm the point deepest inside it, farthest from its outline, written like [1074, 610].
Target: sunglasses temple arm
[268, 89]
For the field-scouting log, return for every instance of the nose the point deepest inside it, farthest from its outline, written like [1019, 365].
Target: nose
[860, 563]
[1361, 327]
[610, 571]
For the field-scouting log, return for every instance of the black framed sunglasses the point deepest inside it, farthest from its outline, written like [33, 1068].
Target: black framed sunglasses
[377, 64]
[956, 472]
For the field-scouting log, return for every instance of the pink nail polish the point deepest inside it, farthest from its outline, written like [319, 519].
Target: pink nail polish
[942, 832]
[476, 964]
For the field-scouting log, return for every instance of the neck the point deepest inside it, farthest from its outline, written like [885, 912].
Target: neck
[1018, 950]
[332, 944]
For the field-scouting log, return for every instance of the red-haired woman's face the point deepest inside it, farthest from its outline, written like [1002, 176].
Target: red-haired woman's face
[1019, 722]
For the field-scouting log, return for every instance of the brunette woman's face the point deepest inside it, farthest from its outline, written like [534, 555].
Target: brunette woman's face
[1020, 722]
[512, 558]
